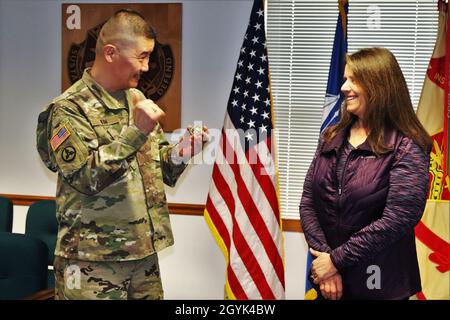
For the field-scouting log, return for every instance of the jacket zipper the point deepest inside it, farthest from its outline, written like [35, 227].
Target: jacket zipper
[340, 188]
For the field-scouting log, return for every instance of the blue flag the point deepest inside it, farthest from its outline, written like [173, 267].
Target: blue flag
[332, 105]
[333, 97]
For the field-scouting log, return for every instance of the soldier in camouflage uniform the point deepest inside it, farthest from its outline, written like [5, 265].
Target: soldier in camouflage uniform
[103, 139]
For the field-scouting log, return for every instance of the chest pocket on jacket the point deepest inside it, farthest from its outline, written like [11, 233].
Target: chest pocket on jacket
[368, 172]
[108, 129]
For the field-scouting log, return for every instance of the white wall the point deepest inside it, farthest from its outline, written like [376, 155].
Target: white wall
[30, 59]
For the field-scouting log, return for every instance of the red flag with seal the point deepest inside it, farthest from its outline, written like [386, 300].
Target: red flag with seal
[433, 231]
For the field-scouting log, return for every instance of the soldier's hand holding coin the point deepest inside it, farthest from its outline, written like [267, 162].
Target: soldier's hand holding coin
[146, 114]
[191, 143]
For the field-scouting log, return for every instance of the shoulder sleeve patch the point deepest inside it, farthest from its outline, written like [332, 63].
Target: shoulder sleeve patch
[59, 137]
[71, 151]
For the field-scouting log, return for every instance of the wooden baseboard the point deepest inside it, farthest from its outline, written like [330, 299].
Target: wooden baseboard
[24, 200]
[174, 208]
[47, 294]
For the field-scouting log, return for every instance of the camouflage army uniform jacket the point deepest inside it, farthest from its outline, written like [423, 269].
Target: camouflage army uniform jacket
[111, 204]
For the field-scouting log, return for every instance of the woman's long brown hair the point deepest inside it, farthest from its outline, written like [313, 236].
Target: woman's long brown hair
[388, 103]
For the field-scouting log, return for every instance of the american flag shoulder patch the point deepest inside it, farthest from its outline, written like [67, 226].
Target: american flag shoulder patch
[59, 137]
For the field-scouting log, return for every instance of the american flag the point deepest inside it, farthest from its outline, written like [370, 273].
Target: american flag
[59, 138]
[242, 207]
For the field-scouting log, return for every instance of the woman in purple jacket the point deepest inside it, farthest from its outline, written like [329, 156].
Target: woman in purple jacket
[367, 187]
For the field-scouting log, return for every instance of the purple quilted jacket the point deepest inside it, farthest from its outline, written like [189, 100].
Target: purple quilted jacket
[368, 225]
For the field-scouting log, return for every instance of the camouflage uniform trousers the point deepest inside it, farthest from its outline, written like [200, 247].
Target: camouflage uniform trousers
[108, 280]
